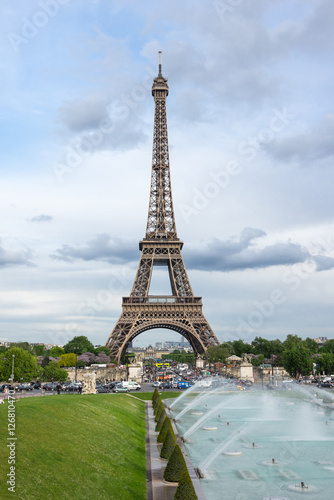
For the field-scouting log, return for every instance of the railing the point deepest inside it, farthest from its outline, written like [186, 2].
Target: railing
[160, 299]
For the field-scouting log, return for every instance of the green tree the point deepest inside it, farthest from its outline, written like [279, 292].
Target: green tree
[292, 341]
[25, 365]
[258, 361]
[39, 350]
[326, 362]
[217, 353]
[328, 346]
[22, 345]
[69, 359]
[56, 352]
[185, 489]
[53, 371]
[311, 345]
[297, 360]
[240, 347]
[262, 346]
[104, 349]
[79, 345]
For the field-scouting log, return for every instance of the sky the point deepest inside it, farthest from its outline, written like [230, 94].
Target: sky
[250, 123]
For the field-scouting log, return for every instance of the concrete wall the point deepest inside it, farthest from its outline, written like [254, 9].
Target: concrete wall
[111, 372]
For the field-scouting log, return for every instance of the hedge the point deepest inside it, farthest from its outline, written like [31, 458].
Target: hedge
[157, 405]
[156, 402]
[168, 445]
[158, 412]
[155, 394]
[176, 465]
[164, 428]
[160, 420]
[185, 489]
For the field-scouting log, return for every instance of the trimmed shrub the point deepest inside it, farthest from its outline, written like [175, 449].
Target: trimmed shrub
[176, 465]
[168, 445]
[159, 411]
[160, 420]
[155, 394]
[158, 403]
[164, 428]
[185, 489]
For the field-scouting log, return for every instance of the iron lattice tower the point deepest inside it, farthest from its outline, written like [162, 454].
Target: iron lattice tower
[181, 311]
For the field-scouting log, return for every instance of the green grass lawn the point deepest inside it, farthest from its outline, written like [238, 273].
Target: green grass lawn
[147, 396]
[76, 447]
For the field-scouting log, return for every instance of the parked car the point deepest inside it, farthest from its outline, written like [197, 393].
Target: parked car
[26, 386]
[183, 385]
[120, 388]
[132, 386]
[111, 385]
[50, 386]
[326, 385]
[101, 389]
[156, 384]
[73, 387]
[3, 386]
[168, 385]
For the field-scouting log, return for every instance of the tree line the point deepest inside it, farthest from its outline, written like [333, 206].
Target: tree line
[297, 356]
[38, 363]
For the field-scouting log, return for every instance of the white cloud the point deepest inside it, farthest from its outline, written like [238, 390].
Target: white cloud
[226, 76]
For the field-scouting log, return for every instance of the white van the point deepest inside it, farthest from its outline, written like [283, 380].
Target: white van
[132, 386]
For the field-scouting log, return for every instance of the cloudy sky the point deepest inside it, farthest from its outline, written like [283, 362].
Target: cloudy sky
[251, 125]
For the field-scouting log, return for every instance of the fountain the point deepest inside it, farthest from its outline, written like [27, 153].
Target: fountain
[263, 445]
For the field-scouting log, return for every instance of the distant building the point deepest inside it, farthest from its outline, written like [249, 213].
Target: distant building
[174, 345]
[320, 341]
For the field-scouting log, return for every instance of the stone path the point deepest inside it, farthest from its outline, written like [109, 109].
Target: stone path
[159, 489]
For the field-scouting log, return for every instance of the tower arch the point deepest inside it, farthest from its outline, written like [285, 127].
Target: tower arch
[181, 311]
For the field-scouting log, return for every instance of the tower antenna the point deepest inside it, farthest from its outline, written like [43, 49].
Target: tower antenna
[159, 62]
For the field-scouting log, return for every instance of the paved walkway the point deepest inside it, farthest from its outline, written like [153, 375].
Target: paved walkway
[160, 489]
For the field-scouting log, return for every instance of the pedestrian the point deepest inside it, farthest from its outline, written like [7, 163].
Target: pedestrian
[58, 388]
[80, 389]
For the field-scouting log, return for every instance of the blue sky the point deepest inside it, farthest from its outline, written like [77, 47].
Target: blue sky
[250, 121]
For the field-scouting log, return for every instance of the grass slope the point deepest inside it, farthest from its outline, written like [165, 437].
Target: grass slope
[87, 447]
[147, 396]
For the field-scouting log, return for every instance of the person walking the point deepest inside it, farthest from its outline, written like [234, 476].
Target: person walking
[58, 388]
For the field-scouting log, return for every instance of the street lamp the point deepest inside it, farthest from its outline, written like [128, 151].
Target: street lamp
[262, 375]
[76, 361]
[12, 377]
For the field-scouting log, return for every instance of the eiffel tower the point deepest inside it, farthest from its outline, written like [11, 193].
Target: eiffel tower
[181, 311]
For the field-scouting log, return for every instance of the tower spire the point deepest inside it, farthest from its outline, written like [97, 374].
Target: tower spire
[160, 221]
[180, 311]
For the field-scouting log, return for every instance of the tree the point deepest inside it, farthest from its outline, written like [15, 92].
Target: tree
[239, 348]
[56, 351]
[217, 353]
[326, 362]
[39, 350]
[176, 465]
[69, 359]
[25, 365]
[311, 345]
[185, 489]
[328, 346]
[22, 345]
[292, 341]
[262, 346]
[104, 349]
[258, 361]
[79, 345]
[297, 360]
[53, 371]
